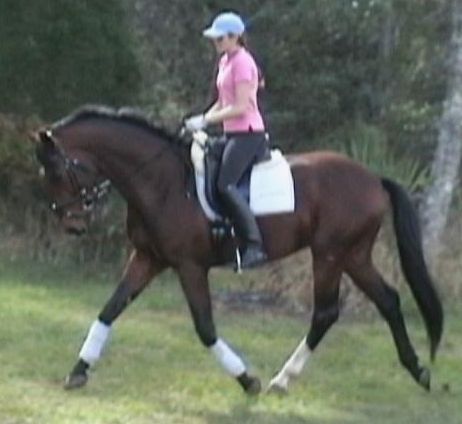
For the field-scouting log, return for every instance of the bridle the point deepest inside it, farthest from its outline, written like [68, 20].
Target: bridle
[87, 196]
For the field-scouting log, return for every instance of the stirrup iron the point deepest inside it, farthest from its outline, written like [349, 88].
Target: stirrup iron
[238, 268]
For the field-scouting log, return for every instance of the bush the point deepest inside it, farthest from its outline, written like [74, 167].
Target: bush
[27, 225]
[368, 145]
[58, 54]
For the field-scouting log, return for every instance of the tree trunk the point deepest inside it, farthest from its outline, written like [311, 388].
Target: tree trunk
[388, 41]
[446, 163]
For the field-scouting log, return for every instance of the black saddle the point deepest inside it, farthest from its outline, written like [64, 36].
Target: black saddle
[213, 152]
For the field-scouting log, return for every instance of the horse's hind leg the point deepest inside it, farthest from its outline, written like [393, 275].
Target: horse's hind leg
[368, 279]
[327, 274]
[140, 269]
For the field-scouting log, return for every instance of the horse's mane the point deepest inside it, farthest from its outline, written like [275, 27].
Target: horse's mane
[134, 117]
[128, 115]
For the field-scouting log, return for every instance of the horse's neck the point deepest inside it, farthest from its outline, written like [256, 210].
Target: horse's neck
[135, 161]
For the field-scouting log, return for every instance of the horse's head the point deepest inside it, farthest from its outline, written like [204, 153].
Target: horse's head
[72, 186]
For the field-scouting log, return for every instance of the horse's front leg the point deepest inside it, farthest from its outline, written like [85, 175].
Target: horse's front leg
[195, 285]
[140, 269]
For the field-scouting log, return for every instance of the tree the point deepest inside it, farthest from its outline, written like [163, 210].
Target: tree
[446, 163]
[58, 54]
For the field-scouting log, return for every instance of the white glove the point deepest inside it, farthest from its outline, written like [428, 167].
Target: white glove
[195, 123]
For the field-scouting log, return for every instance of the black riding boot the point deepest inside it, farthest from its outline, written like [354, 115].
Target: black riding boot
[246, 227]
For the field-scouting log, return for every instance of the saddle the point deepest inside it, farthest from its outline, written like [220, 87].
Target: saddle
[213, 153]
[267, 185]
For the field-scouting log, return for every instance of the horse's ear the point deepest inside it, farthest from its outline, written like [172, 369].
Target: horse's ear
[48, 153]
[46, 137]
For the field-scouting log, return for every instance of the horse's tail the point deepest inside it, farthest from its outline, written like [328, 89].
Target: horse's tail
[409, 238]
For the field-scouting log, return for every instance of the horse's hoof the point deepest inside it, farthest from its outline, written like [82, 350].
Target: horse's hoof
[277, 389]
[75, 381]
[424, 378]
[250, 384]
[254, 388]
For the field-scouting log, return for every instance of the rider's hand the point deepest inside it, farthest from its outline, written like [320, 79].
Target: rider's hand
[195, 123]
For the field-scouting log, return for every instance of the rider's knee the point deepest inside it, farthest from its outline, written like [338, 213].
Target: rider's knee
[223, 187]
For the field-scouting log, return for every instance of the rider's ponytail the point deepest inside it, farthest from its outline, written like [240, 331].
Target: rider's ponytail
[243, 41]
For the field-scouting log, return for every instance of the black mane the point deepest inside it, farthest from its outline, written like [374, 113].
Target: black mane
[125, 114]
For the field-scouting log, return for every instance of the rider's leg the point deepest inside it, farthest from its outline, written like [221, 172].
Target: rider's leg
[238, 156]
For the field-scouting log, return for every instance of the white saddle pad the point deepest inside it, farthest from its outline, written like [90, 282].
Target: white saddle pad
[271, 183]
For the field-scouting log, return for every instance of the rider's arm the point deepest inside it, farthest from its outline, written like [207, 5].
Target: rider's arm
[243, 100]
[213, 109]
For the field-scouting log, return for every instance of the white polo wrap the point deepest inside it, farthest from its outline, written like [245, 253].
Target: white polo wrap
[227, 358]
[94, 343]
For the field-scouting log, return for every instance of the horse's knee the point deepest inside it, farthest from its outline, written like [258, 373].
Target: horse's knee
[121, 298]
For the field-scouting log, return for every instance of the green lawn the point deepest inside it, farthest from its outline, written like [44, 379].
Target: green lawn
[155, 370]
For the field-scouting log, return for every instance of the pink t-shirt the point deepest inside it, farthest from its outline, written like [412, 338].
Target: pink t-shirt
[233, 69]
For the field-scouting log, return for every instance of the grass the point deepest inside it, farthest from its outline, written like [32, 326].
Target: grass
[155, 370]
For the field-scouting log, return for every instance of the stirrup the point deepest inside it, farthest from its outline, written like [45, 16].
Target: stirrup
[238, 267]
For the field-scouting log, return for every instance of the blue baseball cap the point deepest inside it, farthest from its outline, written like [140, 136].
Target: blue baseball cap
[223, 24]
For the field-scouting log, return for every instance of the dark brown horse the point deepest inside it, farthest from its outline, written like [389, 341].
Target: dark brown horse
[339, 209]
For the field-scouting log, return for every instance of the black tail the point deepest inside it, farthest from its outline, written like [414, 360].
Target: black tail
[409, 238]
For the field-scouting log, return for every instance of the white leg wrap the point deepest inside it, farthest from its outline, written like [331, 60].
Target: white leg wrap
[94, 343]
[293, 366]
[227, 358]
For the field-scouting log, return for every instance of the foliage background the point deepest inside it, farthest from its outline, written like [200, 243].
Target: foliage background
[365, 77]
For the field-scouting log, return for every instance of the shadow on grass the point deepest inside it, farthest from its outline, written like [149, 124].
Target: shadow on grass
[322, 413]
[244, 416]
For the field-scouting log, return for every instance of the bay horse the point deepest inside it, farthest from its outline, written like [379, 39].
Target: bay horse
[339, 209]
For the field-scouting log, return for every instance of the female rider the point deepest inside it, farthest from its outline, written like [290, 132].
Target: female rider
[236, 108]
